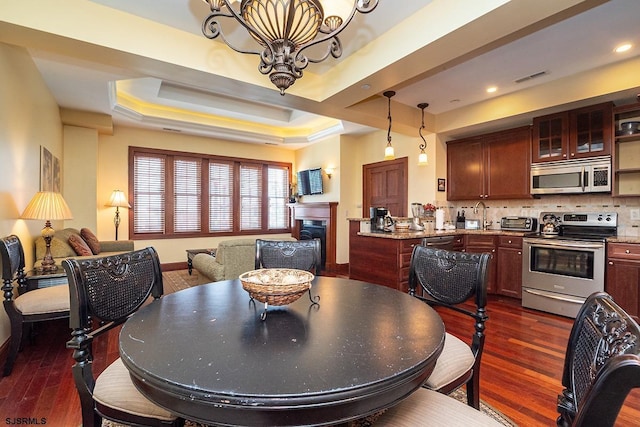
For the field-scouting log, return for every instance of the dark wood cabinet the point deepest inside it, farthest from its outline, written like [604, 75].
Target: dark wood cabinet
[491, 166]
[509, 266]
[550, 139]
[483, 243]
[574, 134]
[623, 276]
[380, 260]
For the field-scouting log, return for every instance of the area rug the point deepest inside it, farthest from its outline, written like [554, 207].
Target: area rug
[180, 279]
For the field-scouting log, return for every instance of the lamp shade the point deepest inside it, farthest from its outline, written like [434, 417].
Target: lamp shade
[47, 205]
[118, 200]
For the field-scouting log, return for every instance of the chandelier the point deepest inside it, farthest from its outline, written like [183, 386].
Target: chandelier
[285, 29]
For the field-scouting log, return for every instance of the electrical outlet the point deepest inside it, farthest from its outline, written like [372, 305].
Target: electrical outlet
[635, 214]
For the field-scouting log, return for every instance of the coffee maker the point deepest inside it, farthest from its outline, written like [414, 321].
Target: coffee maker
[378, 219]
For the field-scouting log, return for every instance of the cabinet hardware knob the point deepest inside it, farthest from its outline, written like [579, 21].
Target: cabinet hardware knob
[627, 251]
[519, 253]
[509, 241]
[610, 262]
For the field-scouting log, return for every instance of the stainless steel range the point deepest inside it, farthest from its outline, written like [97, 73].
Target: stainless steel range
[565, 262]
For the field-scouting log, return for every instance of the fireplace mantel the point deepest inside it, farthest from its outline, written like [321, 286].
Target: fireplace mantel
[321, 211]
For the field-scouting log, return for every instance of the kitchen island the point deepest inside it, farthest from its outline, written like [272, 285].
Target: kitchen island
[385, 257]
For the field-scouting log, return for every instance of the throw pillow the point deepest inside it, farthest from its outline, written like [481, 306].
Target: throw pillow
[91, 239]
[79, 245]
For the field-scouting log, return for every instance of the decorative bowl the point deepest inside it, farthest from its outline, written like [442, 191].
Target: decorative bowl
[276, 286]
[629, 128]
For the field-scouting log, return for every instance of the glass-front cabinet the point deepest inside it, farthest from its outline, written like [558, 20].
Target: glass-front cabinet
[550, 137]
[574, 134]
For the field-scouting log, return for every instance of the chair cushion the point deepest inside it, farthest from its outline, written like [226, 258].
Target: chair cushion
[114, 389]
[455, 360]
[44, 300]
[91, 239]
[427, 407]
[79, 245]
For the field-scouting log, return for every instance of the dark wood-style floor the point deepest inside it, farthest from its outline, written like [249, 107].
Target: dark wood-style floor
[521, 369]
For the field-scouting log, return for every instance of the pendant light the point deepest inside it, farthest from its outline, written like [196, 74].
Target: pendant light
[422, 157]
[388, 151]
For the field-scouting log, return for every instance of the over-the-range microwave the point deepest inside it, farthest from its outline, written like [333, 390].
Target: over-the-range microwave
[591, 175]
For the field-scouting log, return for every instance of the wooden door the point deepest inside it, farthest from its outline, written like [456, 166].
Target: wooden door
[385, 184]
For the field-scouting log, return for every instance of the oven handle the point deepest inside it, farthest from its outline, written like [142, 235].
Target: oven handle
[565, 244]
[554, 296]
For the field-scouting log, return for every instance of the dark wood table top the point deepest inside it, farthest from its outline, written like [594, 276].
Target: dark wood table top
[204, 353]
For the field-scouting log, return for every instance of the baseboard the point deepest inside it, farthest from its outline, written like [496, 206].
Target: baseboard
[174, 266]
[342, 269]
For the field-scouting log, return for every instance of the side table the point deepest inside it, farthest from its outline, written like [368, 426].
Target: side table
[193, 252]
[43, 279]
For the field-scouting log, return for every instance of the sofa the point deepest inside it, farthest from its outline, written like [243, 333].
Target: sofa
[233, 257]
[62, 249]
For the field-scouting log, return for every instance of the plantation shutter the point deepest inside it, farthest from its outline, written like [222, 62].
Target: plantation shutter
[187, 197]
[278, 191]
[149, 193]
[250, 197]
[220, 196]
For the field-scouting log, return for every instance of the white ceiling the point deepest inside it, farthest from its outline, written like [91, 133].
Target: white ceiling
[556, 46]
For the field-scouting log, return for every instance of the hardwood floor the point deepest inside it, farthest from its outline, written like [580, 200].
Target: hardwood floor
[521, 369]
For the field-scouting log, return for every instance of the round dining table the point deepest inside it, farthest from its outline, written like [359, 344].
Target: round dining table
[204, 353]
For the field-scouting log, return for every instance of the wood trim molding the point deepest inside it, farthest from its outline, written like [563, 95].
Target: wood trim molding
[321, 211]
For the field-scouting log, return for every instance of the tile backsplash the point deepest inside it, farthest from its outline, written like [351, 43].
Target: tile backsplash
[497, 209]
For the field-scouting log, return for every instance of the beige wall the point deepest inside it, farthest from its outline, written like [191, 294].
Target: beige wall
[29, 118]
[112, 173]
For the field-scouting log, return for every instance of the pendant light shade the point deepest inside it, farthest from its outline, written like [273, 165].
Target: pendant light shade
[422, 157]
[388, 151]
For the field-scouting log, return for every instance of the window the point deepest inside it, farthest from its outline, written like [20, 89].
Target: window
[177, 194]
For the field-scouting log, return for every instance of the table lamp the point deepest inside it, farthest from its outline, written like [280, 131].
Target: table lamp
[49, 206]
[118, 200]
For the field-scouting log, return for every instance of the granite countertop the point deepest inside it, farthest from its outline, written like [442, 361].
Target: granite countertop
[403, 235]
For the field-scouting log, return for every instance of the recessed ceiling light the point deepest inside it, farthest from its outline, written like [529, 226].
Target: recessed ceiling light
[492, 89]
[366, 86]
[622, 48]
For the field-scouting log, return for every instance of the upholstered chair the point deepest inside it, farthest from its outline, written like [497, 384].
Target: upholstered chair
[105, 291]
[449, 279]
[25, 308]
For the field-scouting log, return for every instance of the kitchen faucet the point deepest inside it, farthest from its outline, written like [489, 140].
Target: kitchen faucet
[485, 224]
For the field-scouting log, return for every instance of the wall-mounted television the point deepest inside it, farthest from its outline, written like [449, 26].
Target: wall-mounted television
[310, 182]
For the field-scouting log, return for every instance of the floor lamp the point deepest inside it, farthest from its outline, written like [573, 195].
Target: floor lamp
[118, 200]
[49, 206]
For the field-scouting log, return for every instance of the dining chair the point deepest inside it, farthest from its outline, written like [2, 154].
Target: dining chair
[601, 365]
[448, 279]
[104, 292]
[27, 307]
[298, 254]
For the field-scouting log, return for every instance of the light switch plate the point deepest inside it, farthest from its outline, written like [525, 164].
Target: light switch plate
[635, 214]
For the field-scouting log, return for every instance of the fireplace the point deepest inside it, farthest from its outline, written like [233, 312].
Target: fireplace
[313, 229]
[309, 220]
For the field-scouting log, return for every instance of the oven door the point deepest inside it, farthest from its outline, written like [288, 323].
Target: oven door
[558, 275]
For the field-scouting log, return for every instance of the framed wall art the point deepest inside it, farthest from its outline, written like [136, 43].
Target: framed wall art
[441, 184]
[50, 171]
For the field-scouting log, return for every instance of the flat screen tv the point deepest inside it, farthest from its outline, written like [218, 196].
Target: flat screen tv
[310, 182]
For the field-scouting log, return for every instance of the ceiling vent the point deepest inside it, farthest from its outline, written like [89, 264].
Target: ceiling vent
[532, 76]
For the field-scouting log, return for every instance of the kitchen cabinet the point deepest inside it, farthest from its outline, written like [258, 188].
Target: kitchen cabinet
[380, 260]
[491, 166]
[623, 276]
[626, 153]
[574, 134]
[484, 243]
[509, 266]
